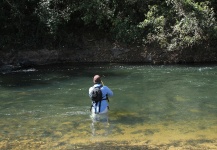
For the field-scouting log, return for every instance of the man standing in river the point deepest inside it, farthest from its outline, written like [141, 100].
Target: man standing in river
[99, 108]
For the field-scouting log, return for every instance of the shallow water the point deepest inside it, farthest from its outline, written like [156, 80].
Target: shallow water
[154, 107]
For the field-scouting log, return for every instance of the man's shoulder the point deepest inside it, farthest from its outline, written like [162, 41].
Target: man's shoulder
[105, 87]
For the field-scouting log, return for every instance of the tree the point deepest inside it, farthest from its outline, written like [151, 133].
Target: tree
[170, 24]
[180, 24]
[18, 24]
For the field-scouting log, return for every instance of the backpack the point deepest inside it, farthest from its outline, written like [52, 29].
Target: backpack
[96, 94]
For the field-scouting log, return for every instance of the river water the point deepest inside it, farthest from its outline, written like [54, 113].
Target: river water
[153, 107]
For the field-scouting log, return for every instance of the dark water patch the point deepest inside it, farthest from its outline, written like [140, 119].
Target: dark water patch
[151, 131]
[200, 141]
[113, 146]
[128, 119]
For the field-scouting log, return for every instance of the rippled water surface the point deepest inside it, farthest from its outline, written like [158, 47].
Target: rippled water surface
[155, 107]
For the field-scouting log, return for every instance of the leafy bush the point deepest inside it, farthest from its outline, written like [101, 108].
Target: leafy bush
[170, 24]
[187, 24]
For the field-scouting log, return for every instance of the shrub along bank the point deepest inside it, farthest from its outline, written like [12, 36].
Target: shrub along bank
[44, 31]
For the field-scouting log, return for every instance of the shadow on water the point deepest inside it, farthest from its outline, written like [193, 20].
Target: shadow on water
[113, 146]
[49, 74]
[128, 118]
[189, 144]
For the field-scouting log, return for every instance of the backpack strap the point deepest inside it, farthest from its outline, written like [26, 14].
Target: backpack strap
[95, 107]
[99, 106]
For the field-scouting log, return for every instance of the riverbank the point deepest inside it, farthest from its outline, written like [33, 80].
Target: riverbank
[103, 50]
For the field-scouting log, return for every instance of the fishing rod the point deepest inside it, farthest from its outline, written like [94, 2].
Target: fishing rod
[101, 80]
[103, 85]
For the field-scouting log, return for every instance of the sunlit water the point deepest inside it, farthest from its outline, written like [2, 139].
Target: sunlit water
[155, 107]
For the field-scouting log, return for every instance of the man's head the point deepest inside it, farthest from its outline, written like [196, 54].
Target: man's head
[96, 79]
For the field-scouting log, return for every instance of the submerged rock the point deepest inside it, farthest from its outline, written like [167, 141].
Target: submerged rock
[7, 68]
[25, 63]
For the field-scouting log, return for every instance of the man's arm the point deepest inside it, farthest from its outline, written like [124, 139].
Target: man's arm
[109, 91]
[90, 89]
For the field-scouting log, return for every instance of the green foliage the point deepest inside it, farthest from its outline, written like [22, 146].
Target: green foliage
[114, 17]
[193, 24]
[126, 32]
[155, 23]
[20, 26]
[170, 24]
[53, 13]
[127, 15]
[96, 11]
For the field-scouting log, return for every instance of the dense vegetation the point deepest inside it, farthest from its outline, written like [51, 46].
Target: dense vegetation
[169, 24]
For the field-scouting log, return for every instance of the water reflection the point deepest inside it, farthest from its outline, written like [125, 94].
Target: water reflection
[100, 124]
